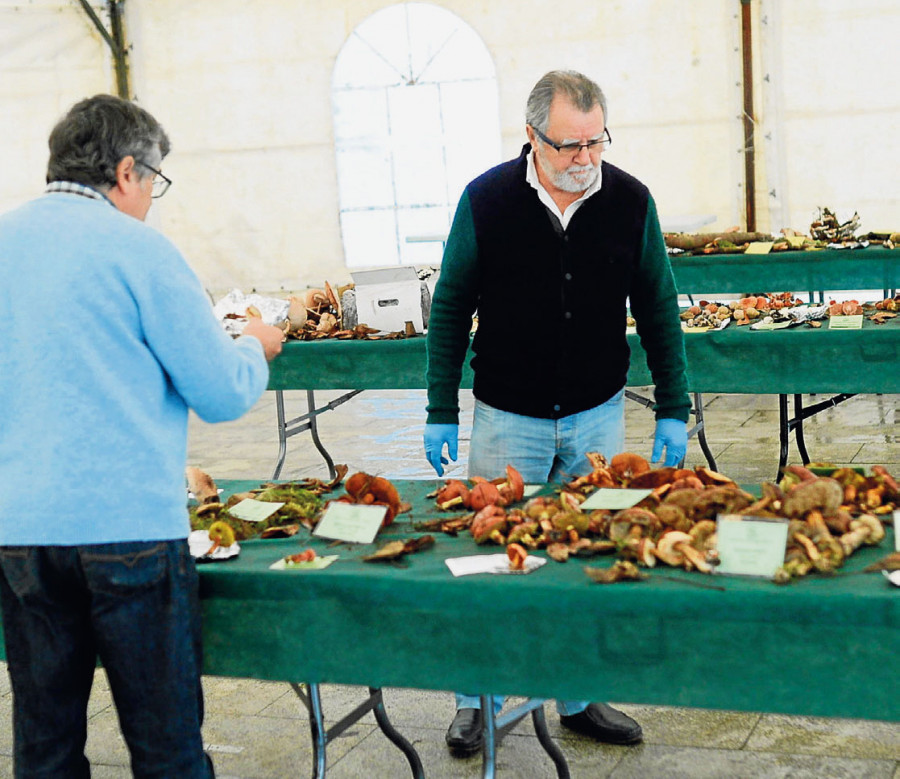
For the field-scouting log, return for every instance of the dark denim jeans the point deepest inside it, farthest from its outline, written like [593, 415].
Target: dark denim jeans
[134, 606]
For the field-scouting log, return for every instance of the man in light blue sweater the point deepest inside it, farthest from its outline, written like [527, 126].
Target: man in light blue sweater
[107, 340]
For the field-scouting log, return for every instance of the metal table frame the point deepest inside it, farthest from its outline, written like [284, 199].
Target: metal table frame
[287, 428]
[321, 736]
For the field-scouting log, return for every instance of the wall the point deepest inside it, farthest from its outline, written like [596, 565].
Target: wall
[244, 91]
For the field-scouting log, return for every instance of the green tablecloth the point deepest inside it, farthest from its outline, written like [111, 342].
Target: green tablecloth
[872, 268]
[797, 360]
[826, 647]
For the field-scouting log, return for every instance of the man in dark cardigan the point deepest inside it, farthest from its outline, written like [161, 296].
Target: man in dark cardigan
[559, 232]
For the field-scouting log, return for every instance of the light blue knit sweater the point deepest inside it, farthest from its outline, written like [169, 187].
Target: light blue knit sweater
[106, 339]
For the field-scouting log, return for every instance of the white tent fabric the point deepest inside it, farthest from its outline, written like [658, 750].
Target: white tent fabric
[244, 90]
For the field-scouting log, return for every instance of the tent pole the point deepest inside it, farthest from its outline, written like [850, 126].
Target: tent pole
[115, 39]
[749, 153]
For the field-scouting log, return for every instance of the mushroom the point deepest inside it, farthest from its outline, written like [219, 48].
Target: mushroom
[488, 524]
[558, 551]
[703, 535]
[674, 548]
[865, 529]
[483, 494]
[517, 555]
[201, 485]
[453, 493]
[627, 465]
[221, 534]
[621, 570]
[824, 494]
[511, 489]
[524, 533]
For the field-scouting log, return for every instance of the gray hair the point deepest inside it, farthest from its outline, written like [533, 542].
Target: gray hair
[584, 94]
[89, 142]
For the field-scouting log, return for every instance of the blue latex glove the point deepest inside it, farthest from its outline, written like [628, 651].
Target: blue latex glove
[435, 438]
[671, 434]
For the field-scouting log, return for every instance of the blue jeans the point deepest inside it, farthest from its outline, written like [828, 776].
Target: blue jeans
[133, 605]
[542, 450]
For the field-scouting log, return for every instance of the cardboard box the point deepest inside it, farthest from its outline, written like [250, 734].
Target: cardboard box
[388, 298]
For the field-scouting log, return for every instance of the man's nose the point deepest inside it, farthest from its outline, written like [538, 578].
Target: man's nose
[582, 156]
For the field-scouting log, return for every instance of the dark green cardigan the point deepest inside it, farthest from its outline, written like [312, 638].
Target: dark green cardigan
[551, 303]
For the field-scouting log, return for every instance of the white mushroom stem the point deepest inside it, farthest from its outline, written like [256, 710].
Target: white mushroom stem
[865, 529]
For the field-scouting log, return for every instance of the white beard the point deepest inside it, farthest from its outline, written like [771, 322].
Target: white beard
[569, 180]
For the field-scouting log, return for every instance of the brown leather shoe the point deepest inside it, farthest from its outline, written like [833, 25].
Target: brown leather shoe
[604, 723]
[465, 736]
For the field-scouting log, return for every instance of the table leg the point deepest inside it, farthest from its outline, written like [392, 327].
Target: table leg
[798, 429]
[489, 750]
[495, 728]
[308, 421]
[314, 432]
[394, 736]
[785, 425]
[321, 737]
[550, 747]
[783, 431]
[700, 430]
[313, 703]
[282, 432]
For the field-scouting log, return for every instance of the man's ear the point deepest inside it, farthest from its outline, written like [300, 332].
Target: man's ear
[125, 171]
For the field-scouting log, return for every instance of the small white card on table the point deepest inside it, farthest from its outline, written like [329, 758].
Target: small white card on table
[750, 546]
[614, 498]
[254, 510]
[351, 522]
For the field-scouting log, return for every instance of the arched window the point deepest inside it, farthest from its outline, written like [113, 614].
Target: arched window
[415, 118]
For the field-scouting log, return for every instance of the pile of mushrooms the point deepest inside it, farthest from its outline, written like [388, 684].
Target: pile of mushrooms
[675, 525]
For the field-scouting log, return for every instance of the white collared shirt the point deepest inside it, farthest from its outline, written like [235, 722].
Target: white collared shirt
[531, 176]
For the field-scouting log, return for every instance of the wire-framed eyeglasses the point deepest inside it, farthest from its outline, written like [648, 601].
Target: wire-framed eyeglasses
[573, 149]
[161, 183]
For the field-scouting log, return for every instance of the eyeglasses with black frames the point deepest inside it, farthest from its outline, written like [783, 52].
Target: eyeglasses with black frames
[161, 183]
[573, 149]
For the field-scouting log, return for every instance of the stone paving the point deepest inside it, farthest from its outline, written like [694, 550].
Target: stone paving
[259, 730]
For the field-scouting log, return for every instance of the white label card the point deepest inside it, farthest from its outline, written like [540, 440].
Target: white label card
[751, 546]
[845, 322]
[614, 498]
[897, 530]
[254, 510]
[351, 522]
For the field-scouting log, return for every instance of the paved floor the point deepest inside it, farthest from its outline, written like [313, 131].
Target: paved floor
[258, 730]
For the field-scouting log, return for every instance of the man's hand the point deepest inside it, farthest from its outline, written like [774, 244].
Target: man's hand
[671, 434]
[269, 336]
[435, 438]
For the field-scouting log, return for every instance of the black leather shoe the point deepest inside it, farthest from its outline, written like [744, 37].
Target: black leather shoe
[465, 735]
[604, 723]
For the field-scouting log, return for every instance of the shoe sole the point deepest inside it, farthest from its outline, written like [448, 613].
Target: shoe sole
[620, 742]
[468, 751]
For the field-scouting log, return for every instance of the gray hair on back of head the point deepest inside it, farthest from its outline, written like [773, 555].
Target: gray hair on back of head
[584, 94]
[88, 143]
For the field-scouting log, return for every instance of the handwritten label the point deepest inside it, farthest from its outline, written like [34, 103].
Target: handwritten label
[254, 510]
[751, 546]
[615, 499]
[351, 522]
[845, 322]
